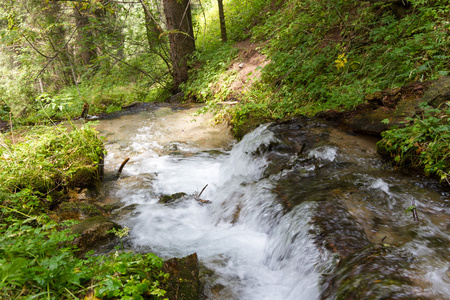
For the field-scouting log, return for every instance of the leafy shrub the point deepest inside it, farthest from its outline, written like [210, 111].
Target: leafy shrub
[424, 142]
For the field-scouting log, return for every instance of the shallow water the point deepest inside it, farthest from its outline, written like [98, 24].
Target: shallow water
[258, 236]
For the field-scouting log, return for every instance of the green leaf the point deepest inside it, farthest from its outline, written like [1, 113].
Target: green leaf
[409, 209]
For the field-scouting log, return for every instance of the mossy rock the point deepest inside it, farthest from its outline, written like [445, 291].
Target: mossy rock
[85, 176]
[167, 199]
[78, 210]
[438, 93]
[184, 277]
[93, 233]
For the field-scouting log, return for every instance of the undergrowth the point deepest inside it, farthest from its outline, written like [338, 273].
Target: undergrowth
[325, 55]
[38, 261]
[424, 142]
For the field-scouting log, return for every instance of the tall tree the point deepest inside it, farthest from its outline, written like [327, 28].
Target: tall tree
[223, 29]
[181, 38]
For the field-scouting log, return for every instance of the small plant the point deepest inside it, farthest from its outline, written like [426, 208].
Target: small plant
[423, 142]
[341, 61]
[38, 261]
[120, 233]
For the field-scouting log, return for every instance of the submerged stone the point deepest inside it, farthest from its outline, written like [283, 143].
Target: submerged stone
[375, 272]
[78, 210]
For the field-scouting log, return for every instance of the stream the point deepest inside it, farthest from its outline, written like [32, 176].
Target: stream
[296, 210]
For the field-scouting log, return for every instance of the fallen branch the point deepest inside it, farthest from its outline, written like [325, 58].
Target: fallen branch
[121, 166]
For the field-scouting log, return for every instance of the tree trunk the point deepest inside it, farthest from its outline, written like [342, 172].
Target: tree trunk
[85, 36]
[223, 29]
[181, 38]
[152, 28]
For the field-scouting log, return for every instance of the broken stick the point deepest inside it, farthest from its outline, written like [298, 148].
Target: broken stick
[122, 165]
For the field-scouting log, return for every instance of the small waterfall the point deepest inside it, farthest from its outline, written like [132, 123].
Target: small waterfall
[291, 210]
[254, 249]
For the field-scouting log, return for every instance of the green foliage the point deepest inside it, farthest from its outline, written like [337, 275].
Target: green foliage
[130, 276]
[410, 209]
[4, 111]
[424, 142]
[38, 261]
[38, 86]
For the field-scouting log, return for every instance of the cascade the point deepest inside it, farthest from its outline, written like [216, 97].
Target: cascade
[271, 228]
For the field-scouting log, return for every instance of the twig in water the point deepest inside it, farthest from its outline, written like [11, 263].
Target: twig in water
[414, 211]
[202, 191]
[301, 149]
[198, 197]
[122, 165]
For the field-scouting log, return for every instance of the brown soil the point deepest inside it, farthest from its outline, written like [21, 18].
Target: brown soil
[247, 66]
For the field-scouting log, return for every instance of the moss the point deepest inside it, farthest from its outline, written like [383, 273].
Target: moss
[165, 199]
[48, 160]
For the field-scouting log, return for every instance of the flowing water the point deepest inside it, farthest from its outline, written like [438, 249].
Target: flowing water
[282, 209]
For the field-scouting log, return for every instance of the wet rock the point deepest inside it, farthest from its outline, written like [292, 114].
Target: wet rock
[184, 277]
[93, 233]
[136, 182]
[375, 272]
[166, 199]
[293, 137]
[336, 230]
